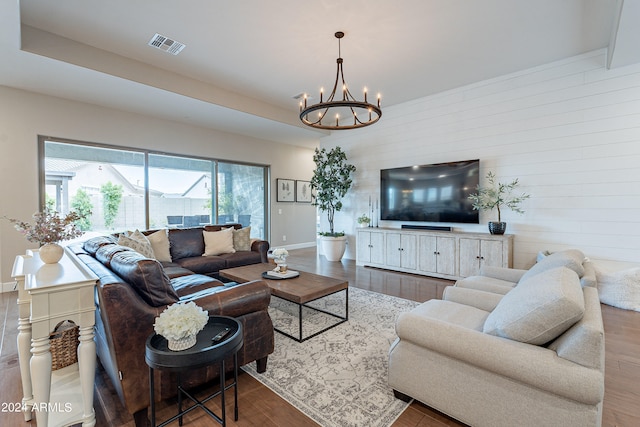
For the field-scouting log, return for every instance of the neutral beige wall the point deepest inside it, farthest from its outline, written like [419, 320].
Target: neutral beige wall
[25, 115]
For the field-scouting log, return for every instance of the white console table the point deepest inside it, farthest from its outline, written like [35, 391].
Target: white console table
[47, 295]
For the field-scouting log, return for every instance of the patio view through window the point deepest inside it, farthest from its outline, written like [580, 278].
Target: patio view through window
[116, 184]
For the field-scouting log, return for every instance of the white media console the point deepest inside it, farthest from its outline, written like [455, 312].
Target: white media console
[445, 254]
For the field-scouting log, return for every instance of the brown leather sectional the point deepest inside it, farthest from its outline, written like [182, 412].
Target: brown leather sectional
[133, 290]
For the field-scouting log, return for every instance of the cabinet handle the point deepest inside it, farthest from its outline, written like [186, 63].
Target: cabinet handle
[435, 253]
[481, 257]
[478, 257]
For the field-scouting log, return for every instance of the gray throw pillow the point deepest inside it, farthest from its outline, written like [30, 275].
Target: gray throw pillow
[541, 310]
[570, 258]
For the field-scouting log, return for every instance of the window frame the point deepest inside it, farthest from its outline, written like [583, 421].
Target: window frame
[42, 140]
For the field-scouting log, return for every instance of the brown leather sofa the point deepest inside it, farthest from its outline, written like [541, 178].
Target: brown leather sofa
[133, 290]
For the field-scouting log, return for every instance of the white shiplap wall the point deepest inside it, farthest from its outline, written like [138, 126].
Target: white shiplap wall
[570, 131]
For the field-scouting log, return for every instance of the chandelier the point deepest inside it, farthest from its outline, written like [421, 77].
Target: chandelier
[345, 113]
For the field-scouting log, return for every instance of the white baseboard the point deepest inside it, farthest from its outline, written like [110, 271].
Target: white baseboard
[300, 245]
[8, 287]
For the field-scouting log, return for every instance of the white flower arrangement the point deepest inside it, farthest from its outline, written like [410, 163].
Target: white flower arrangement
[280, 253]
[181, 320]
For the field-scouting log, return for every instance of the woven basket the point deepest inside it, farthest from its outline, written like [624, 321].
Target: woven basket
[64, 344]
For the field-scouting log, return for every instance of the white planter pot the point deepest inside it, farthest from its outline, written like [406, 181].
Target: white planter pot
[333, 247]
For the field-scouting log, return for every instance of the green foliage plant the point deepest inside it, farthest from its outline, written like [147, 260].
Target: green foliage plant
[81, 203]
[331, 181]
[112, 196]
[498, 195]
[363, 219]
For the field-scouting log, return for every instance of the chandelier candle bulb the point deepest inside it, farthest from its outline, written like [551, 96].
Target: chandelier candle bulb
[365, 95]
[321, 93]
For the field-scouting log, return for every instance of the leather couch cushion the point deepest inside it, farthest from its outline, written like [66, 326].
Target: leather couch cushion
[539, 309]
[173, 270]
[203, 264]
[218, 227]
[186, 242]
[93, 244]
[146, 276]
[105, 253]
[239, 259]
[187, 285]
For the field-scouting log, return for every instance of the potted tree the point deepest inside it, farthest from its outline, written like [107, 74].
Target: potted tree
[497, 195]
[331, 181]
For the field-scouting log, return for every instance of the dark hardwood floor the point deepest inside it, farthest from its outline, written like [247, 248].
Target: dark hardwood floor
[259, 406]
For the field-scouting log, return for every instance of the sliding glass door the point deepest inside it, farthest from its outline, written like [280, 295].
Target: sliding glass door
[123, 189]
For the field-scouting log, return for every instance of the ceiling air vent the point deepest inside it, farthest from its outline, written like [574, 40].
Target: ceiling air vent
[163, 43]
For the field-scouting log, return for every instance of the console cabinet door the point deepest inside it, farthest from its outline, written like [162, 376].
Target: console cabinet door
[377, 247]
[363, 246]
[402, 250]
[476, 253]
[393, 249]
[409, 252]
[469, 257]
[446, 256]
[491, 253]
[428, 261]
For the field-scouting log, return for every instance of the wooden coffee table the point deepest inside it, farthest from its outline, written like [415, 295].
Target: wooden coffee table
[301, 290]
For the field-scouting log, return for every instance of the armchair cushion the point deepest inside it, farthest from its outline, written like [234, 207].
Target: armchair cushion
[539, 309]
[511, 275]
[483, 300]
[487, 284]
[570, 258]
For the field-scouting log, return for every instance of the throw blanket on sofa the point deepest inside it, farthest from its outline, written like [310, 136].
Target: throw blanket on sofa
[620, 289]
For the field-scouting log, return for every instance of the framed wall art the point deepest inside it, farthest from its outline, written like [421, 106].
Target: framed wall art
[303, 191]
[285, 190]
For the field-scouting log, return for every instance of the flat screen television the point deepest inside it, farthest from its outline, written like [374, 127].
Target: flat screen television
[430, 193]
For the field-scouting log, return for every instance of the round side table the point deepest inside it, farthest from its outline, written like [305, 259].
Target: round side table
[205, 352]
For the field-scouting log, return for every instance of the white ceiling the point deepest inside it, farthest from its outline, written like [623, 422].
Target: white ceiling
[244, 60]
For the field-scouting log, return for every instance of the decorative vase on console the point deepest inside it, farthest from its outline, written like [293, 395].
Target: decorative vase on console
[497, 195]
[47, 230]
[51, 253]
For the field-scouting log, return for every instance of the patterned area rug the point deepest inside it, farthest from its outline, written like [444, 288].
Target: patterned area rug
[337, 378]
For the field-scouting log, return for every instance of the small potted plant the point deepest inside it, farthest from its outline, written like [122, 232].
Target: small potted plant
[331, 181]
[363, 220]
[497, 195]
[180, 323]
[47, 230]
